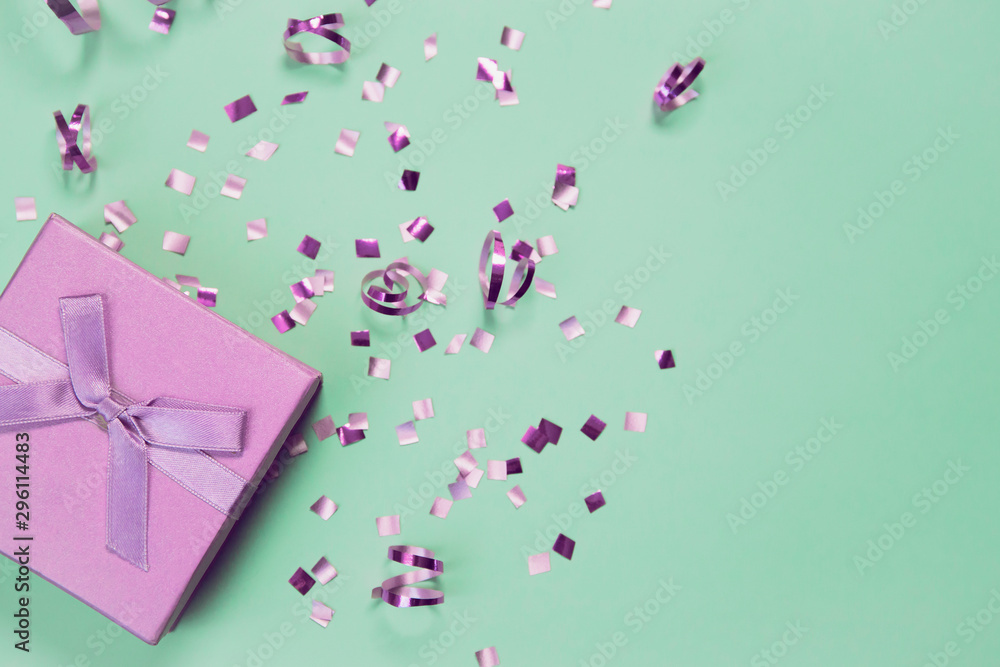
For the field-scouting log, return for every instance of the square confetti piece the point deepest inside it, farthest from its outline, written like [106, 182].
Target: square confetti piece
[539, 564]
[664, 359]
[424, 340]
[628, 316]
[324, 508]
[24, 209]
[441, 507]
[323, 571]
[309, 247]
[564, 547]
[635, 421]
[301, 581]
[361, 338]
[571, 328]
[423, 409]
[324, 428]
[482, 340]
[407, 433]
[379, 368]
[593, 427]
[516, 496]
[387, 525]
[503, 210]
[595, 501]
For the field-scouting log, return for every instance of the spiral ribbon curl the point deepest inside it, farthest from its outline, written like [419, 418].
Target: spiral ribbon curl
[386, 300]
[324, 26]
[492, 263]
[397, 590]
[86, 19]
[673, 91]
[74, 139]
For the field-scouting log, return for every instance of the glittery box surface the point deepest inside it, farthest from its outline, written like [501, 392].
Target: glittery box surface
[160, 343]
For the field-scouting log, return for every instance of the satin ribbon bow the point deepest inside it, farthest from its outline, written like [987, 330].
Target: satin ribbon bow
[168, 433]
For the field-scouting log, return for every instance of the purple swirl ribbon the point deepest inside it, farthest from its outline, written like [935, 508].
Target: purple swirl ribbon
[167, 433]
[387, 300]
[492, 262]
[324, 26]
[86, 19]
[74, 139]
[398, 590]
[674, 89]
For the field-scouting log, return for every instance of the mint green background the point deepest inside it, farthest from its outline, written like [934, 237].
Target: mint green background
[655, 185]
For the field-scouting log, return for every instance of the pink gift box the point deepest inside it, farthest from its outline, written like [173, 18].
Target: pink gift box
[160, 343]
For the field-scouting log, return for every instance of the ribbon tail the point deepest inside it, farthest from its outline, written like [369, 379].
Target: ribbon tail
[128, 474]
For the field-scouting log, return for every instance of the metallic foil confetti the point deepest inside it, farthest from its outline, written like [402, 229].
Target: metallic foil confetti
[240, 109]
[546, 246]
[283, 321]
[492, 263]
[24, 209]
[424, 340]
[256, 229]
[74, 139]
[564, 191]
[593, 427]
[181, 182]
[398, 591]
[111, 241]
[387, 525]
[387, 75]
[87, 19]
[163, 18]
[302, 290]
[482, 340]
[496, 470]
[323, 571]
[441, 507]
[302, 311]
[564, 547]
[358, 421]
[486, 69]
[407, 433]
[366, 248]
[324, 507]
[602, 4]
[674, 91]
[535, 439]
[456, 344]
[324, 428]
[516, 496]
[545, 288]
[198, 141]
[346, 142]
[321, 614]
[379, 368]
[512, 38]
[295, 98]
[595, 501]
[539, 564]
[361, 338]
[174, 242]
[372, 91]
[423, 409]
[119, 215]
[521, 250]
[420, 229]
[628, 316]
[207, 296]
[664, 359]
[476, 438]
[571, 328]
[430, 47]
[295, 443]
[503, 210]
[233, 187]
[328, 277]
[349, 436]
[473, 478]
[488, 656]
[324, 26]
[466, 463]
[309, 247]
[459, 490]
[301, 581]
[435, 284]
[399, 136]
[263, 150]
[551, 431]
[408, 181]
[635, 421]
[382, 299]
[514, 466]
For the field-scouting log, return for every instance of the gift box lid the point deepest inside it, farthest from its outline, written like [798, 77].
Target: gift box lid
[161, 343]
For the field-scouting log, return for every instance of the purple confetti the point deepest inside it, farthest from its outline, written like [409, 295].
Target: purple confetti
[240, 109]
[309, 247]
[593, 427]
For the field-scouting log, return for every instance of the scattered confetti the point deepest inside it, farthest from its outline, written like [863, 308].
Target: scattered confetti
[565, 192]
[466, 463]
[240, 109]
[117, 214]
[207, 296]
[673, 91]
[321, 613]
[459, 490]
[628, 316]
[503, 210]
[488, 657]
[635, 421]
[399, 591]
[423, 409]
[324, 571]
[408, 181]
[346, 142]
[512, 38]
[309, 247]
[602, 4]
[295, 98]
[482, 340]
[476, 438]
[664, 359]
[407, 433]
[564, 547]
[539, 564]
[595, 501]
[372, 91]
[535, 439]
[328, 277]
[174, 242]
[180, 181]
[456, 344]
[366, 248]
[256, 229]
[324, 26]
[514, 466]
[301, 581]
[324, 428]
[571, 328]
[324, 507]
[593, 427]
[379, 368]
[295, 443]
[430, 47]
[358, 421]
[387, 525]
[546, 246]
[420, 229]
[441, 507]
[24, 209]
[74, 138]
[163, 18]
[361, 338]
[233, 187]
[283, 321]
[263, 150]
[516, 496]
[551, 431]
[545, 288]
[387, 75]
[496, 470]
[112, 241]
[302, 311]
[198, 141]
[348, 435]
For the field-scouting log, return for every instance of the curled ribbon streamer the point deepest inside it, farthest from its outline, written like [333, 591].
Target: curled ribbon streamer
[74, 139]
[87, 19]
[397, 590]
[492, 262]
[386, 301]
[672, 91]
[324, 26]
[167, 433]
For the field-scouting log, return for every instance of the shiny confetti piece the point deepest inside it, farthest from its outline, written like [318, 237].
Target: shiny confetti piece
[321, 614]
[295, 98]
[492, 264]
[347, 142]
[24, 209]
[423, 409]
[295, 443]
[564, 191]
[379, 368]
[459, 490]
[361, 338]
[516, 496]
[302, 311]
[482, 340]
[545, 288]
[119, 215]
[430, 47]
[372, 91]
[628, 316]
[324, 507]
[602, 4]
[115, 243]
[635, 421]
[283, 321]
[309, 247]
[456, 344]
[486, 69]
[514, 466]
[420, 229]
[163, 18]
[324, 428]
[240, 109]
[476, 438]
[387, 525]
[399, 591]
[207, 296]
[521, 250]
[674, 91]
[511, 38]
[535, 439]
[87, 19]
[564, 547]
[198, 141]
[358, 421]
[441, 507]
[349, 436]
[263, 150]
[256, 229]
[180, 181]
[496, 470]
[301, 581]
[473, 478]
[593, 427]
[466, 463]
[571, 328]
[382, 298]
[503, 210]
[539, 564]
[407, 433]
[302, 290]
[387, 75]
[74, 139]
[328, 277]
[408, 181]
[551, 431]
[233, 187]
[435, 284]
[546, 246]
[324, 26]
[595, 501]
[174, 242]
[488, 657]
[366, 248]
[324, 571]
[664, 359]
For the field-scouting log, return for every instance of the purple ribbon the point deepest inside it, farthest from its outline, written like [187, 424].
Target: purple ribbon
[168, 433]
[672, 92]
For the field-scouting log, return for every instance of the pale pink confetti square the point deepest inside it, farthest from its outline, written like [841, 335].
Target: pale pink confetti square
[628, 316]
[423, 409]
[358, 421]
[257, 229]
[430, 47]
[115, 243]
[539, 564]
[302, 311]
[388, 75]
[379, 368]
[571, 328]
[456, 344]
[180, 181]
[465, 463]
[407, 433]
[546, 246]
[324, 571]
[263, 150]
[118, 213]
[324, 508]
[295, 443]
[324, 428]
[459, 490]
[474, 477]
[347, 142]
[511, 38]
[441, 507]
[602, 4]
[635, 421]
[372, 91]
[24, 209]
[321, 614]
[198, 141]
[482, 340]
[234, 186]
[496, 470]
[387, 525]
[516, 496]
[488, 657]
[476, 438]
[174, 242]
